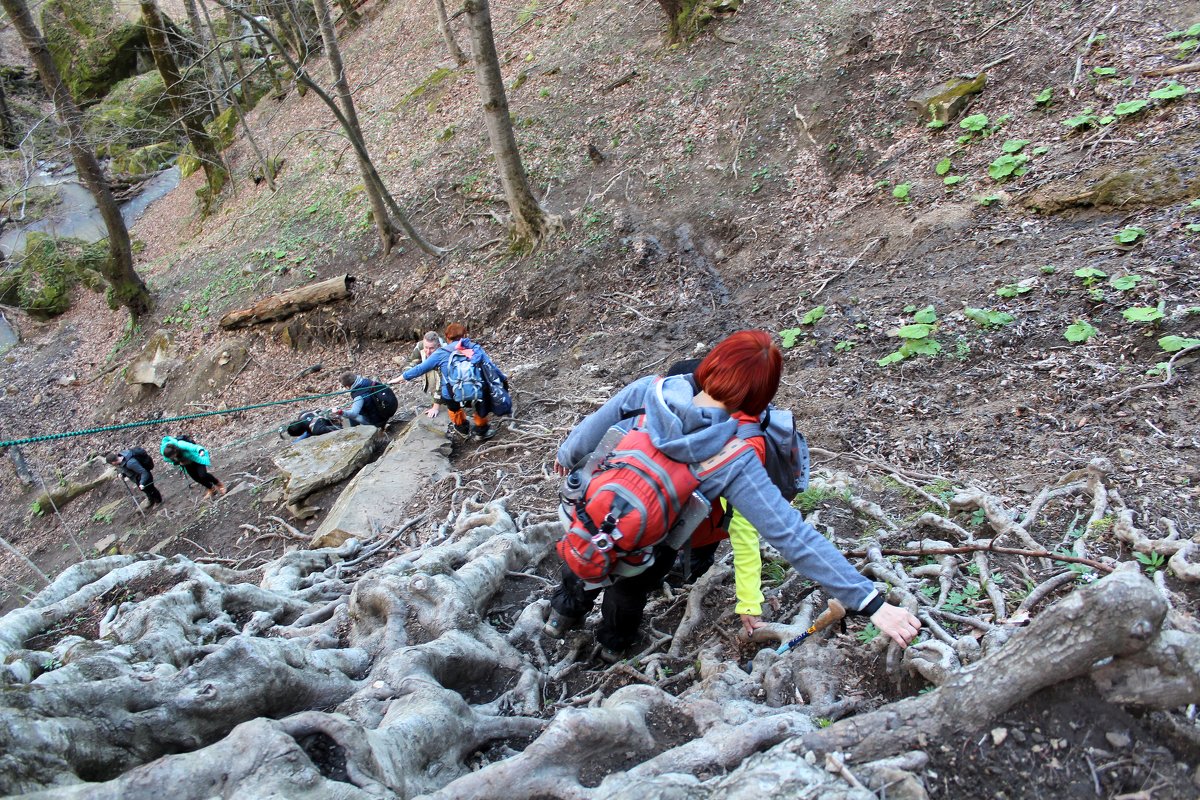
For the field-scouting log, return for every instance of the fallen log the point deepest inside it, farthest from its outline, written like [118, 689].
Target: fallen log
[293, 301]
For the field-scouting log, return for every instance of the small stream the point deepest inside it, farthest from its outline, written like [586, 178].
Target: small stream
[76, 216]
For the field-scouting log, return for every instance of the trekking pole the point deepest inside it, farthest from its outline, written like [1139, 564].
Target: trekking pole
[830, 615]
[133, 499]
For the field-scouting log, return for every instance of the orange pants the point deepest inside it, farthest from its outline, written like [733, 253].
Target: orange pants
[458, 416]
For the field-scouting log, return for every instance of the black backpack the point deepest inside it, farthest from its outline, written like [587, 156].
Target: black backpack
[142, 457]
[385, 402]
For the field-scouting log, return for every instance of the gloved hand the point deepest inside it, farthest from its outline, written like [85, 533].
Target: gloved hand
[337, 412]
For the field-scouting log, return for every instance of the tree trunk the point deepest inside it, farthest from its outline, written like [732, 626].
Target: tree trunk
[293, 301]
[356, 141]
[206, 151]
[8, 127]
[267, 167]
[350, 14]
[127, 287]
[209, 58]
[379, 210]
[529, 218]
[452, 47]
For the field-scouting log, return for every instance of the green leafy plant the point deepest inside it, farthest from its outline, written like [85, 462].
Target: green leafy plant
[1125, 282]
[1014, 145]
[1152, 562]
[917, 340]
[900, 192]
[1083, 120]
[974, 123]
[1129, 235]
[813, 315]
[1104, 72]
[1044, 97]
[935, 124]
[951, 180]
[1129, 107]
[790, 336]
[1171, 91]
[1191, 33]
[1173, 344]
[988, 199]
[1007, 165]
[943, 166]
[986, 318]
[1142, 314]
[1039, 151]
[1080, 331]
[844, 345]
[868, 634]
[1013, 290]
[926, 315]
[1047, 269]
[1090, 275]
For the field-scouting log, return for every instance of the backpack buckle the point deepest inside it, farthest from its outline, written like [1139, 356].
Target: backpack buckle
[602, 542]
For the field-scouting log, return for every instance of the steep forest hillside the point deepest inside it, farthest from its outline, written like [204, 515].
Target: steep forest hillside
[973, 228]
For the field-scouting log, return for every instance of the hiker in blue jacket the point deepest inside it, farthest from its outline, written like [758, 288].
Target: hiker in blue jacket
[462, 364]
[373, 403]
[193, 460]
[741, 374]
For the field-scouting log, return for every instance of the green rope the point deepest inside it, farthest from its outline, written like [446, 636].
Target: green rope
[50, 437]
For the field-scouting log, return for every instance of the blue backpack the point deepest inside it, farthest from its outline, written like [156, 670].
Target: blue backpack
[499, 399]
[464, 377]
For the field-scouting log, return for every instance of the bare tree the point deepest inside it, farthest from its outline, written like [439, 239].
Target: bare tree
[209, 58]
[452, 47]
[8, 126]
[350, 127]
[383, 222]
[529, 218]
[127, 286]
[189, 117]
[268, 168]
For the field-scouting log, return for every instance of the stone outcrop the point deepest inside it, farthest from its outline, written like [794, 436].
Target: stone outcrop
[946, 101]
[313, 464]
[381, 490]
[94, 45]
[86, 477]
[154, 364]
[204, 375]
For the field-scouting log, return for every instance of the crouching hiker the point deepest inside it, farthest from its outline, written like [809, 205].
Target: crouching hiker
[136, 465]
[374, 403]
[680, 440]
[193, 460]
[470, 381]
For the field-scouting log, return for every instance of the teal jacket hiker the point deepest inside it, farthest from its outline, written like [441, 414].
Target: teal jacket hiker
[191, 451]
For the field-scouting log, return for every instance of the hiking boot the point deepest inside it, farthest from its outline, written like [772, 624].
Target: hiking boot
[462, 429]
[557, 626]
[484, 432]
[610, 656]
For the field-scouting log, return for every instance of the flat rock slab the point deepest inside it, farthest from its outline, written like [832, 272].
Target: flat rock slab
[378, 494]
[321, 461]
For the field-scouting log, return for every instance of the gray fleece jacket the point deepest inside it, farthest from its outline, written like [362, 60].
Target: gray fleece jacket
[689, 433]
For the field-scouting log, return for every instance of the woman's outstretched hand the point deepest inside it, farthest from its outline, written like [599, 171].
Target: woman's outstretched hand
[897, 623]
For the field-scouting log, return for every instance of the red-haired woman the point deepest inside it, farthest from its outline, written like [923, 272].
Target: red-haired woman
[691, 420]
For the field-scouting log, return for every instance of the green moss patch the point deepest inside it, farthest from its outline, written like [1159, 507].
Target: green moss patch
[48, 270]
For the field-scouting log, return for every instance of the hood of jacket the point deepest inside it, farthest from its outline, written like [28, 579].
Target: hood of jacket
[682, 430]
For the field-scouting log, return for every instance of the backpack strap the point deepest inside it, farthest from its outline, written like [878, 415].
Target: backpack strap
[732, 449]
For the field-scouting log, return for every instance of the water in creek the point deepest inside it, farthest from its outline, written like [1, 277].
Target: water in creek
[76, 216]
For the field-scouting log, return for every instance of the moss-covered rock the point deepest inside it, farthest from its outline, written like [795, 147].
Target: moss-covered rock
[93, 45]
[50, 268]
[1155, 178]
[946, 101]
[145, 160]
[187, 163]
[135, 113]
[223, 127]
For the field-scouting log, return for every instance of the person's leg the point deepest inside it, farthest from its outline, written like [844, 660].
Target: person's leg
[481, 429]
[569, 604]
[625, 600]
[152, 493]
[458, 417]
[702, 559]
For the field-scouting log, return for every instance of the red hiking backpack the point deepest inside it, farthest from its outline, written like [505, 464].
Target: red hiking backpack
[629, 498]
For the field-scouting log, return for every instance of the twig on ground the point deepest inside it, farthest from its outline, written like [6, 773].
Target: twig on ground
[1166, 381]
[987, 547]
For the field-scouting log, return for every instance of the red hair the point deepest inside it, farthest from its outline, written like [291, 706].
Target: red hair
[742, 372]
[455, 331]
